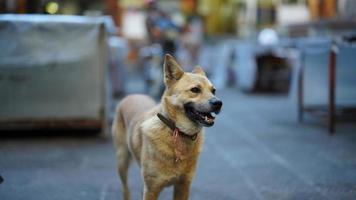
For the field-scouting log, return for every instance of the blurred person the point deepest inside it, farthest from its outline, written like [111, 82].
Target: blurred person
[161, 29]
[192, 39]
[162, 38]
[153, 14]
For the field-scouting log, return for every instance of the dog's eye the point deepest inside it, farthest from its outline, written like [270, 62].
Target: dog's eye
[213, 91]
[195, 90]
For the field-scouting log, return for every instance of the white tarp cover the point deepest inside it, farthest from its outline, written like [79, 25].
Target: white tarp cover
[32, 40]
[52, 67]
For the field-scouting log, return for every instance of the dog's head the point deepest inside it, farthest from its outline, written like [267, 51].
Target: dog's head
[190, 95]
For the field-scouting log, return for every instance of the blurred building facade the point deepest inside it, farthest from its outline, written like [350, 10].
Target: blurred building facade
[226, 17]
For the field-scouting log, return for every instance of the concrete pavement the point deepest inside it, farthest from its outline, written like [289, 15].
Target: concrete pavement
[256, 150]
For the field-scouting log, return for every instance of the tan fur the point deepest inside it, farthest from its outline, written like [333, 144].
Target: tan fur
[139, 134]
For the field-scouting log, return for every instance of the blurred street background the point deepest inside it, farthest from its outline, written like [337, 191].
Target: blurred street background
[285, 70]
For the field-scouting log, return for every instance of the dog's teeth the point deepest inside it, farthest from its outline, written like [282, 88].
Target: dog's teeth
[206, 118]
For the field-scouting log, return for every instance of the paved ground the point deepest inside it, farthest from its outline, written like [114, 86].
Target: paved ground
[255, 151]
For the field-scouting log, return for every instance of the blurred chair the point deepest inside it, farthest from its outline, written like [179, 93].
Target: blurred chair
[260, 67]
[215, 58]
[151, 59]
[118, 53]
[246, 66]
[220, 61]
[326, 82]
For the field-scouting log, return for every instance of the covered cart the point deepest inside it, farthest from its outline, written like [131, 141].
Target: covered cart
[53, 72]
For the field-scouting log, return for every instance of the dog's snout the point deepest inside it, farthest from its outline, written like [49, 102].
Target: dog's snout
[215, 103]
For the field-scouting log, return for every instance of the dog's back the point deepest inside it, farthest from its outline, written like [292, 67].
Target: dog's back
[133, 106]
[129, 109]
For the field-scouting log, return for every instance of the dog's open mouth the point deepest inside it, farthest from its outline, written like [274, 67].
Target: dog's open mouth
[203, 118]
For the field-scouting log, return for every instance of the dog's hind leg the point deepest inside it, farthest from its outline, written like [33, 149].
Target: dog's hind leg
[122, 152]
[123, 166]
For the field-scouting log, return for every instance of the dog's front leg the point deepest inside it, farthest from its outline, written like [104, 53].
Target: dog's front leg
[151, 193]
[181, 189]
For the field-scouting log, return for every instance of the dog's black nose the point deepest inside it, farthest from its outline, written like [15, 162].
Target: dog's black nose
[215, 103]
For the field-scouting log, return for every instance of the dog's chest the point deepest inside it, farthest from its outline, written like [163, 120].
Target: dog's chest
[165, 166]
[173, 171]
[159, 156]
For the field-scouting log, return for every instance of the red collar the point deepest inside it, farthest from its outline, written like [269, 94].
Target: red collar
[175, 129]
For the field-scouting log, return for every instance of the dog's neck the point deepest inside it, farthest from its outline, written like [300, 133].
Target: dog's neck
[182, 122]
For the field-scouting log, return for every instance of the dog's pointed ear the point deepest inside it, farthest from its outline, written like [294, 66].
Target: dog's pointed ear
[198, 70]
[172, 71]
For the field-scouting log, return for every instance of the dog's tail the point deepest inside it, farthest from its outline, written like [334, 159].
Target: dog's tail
[119, 131]
[122, 151]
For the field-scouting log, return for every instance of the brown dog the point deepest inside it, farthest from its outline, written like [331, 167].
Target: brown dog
[165, 139]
